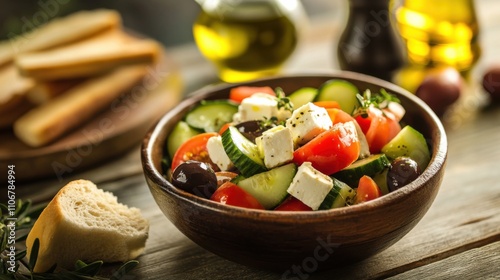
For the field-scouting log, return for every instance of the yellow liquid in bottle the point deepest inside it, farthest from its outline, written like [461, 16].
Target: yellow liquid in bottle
[440, 32]
[245, 47]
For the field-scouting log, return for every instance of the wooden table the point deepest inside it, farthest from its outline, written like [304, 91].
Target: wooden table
[459, 237]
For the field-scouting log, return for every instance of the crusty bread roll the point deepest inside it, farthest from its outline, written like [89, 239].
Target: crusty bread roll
[49, 121]
[90, 57]
[60, 31]
[85, 223]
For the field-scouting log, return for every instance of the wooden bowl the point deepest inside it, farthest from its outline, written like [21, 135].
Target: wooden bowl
[309, 240]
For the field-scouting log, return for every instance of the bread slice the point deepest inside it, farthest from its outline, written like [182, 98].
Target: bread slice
[85, 223]
[43, 92]
[13, 87]
[60, 31]
[91, 57]
[11, 114]
[49, 121]
[13, 92]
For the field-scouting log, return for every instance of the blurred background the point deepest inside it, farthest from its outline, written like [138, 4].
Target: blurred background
[168, 21]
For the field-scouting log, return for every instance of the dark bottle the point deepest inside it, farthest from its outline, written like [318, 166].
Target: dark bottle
[370, 43]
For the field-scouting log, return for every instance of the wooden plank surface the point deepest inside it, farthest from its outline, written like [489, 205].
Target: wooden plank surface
[479, 263]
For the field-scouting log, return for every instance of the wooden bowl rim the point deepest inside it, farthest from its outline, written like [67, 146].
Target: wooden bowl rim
[437, 162]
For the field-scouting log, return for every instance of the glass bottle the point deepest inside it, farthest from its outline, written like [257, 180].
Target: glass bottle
[440, 32]
[247, 39]
[370, 43]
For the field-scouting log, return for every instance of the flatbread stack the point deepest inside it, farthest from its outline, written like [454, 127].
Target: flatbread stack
[59, 76]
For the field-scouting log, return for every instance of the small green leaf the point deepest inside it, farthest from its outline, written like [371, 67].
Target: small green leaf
[35, 210]
[124, 270]
[23, 209]
[3, 238]
[90, 269]
[79, 264]
[51, 269]
[3, 267]
[22, 237]
[20, 255]
[34, 254]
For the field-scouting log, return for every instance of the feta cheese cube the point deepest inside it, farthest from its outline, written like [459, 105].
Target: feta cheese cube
[257, 107]
[364, 150]
[276, 146]
[217, 153]
[308, 121]
[260, 106]
[310, 186]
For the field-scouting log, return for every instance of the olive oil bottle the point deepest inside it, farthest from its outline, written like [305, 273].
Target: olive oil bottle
[440, 32]
[246, 39]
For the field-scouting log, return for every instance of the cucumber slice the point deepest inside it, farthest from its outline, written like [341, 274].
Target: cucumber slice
[409, 143]
[242, 152]
[381, 180]
[180, 134]
[339, 196]
[237, 179]
[302, 96]
[270, 187]
[341, 91]
[368, 166]
[211, 115]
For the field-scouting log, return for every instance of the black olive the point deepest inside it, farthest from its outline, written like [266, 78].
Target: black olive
[251, 129]
[440, 89]
[403, 170]
[491, 82]
[195, 177]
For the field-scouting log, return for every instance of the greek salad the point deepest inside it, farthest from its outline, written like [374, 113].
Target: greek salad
[313, 149]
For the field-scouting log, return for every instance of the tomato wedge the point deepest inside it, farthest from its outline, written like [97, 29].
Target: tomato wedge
[327, 104]
[231, 194]
[292, 204]
[364, 122]
[382, 129]
[332, 150]
[224, 128]
[237, 94]
[195, 148]
[338, 116]
[367, 190]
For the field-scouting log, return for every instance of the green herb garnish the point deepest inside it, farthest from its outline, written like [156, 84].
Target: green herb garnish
[271, 122]
[283, 101]
[380, 101]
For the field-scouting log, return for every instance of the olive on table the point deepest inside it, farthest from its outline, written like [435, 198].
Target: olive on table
[195, 177]
[440, 89]
[491, 82]
[403, 170]
[251, 129]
